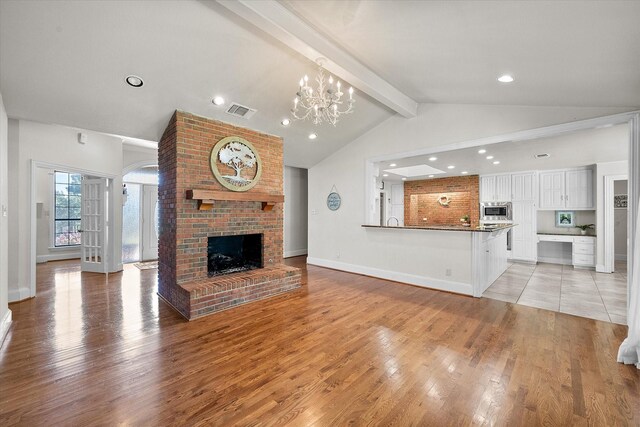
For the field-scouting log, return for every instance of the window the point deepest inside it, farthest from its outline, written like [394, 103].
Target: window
[68, 202]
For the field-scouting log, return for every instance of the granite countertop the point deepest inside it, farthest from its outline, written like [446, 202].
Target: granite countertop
[446, 227]
[566, 234]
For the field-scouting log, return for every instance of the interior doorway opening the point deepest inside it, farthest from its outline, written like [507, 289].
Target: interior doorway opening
[140, 215]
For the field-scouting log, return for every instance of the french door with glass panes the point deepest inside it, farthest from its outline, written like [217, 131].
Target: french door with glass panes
[94, 224]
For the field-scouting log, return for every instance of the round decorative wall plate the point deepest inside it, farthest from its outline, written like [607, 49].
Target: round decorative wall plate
[444, 200]
[334, 201]
[235, 163]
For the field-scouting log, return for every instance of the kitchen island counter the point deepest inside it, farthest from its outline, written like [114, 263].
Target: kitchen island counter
[479, 229]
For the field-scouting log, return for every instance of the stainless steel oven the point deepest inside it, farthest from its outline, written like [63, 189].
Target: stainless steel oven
[495, 211]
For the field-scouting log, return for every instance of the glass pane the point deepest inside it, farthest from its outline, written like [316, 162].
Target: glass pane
[62, 189]
[131, 225]
[62, 177]
[62, 213]
[75, 238]
[74, 201]
[62, 226]
[75, 189]
[74, 213]
[62, 239]
[75, 178]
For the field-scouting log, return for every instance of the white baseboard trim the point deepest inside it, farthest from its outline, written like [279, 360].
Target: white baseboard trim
[553, 260]
[57, 257]
[524, 261]
[297, 252]
[19, 294]
[5, 324]
[621, 257]
[412, 279]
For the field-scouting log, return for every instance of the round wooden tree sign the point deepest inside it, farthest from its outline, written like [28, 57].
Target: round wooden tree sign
[235, 163]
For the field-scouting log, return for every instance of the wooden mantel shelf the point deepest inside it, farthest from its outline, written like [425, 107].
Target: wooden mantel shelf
[206, 198]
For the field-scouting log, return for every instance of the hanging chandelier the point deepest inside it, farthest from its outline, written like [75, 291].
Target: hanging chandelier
[324, 103]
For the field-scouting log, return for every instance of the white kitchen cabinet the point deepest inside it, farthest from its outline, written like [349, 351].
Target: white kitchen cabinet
[579, 189]
[566, 189]
[524, 239]
[523, 186]
[584, 251]
[552, 190]
[495, 188]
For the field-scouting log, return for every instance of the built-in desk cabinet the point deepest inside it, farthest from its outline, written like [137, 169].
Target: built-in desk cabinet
[566, 189]
[583, 248]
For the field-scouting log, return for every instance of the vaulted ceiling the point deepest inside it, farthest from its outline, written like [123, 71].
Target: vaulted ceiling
[65, 62]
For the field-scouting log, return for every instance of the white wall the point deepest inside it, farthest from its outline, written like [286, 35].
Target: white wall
[57, 145]
[337, 238]
[5, 313]
[620, 223]
[547, 222]
[133, 155]
[602, 170]
[295, 211]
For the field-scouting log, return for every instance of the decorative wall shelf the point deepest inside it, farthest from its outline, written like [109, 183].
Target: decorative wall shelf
[206, 198]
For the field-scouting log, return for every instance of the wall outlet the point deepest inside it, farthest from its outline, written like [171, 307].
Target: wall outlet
[447, 272]
[314, 212]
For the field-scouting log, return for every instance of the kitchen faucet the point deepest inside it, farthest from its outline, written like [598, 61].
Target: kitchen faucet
[393, 217]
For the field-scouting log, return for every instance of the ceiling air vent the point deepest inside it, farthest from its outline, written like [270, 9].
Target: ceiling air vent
[541, 156]
[240, 111]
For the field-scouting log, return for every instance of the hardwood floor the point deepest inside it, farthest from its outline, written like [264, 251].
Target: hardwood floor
[344, 349]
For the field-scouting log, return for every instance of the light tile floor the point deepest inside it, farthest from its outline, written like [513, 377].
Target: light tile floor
[564, 289]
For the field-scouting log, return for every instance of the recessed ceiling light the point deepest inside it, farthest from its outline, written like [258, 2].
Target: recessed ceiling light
[218, 100]
[430, 176]
[392, 165]
[285, 122]
[450, 167]
[497, 162]
[433, 159]
[505, 78]
[489, 157]
[482, 151]
[134, 81]
[385, 175]
[404, 179]
[313, 135]
[464, 172]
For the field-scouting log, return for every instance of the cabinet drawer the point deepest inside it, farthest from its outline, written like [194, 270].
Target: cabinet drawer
[583, 248]
[586, 260]
[554, 238]
[585, 239]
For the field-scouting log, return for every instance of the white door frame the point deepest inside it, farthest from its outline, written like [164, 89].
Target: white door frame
[114, 264]
[609, 229]
[147, 223]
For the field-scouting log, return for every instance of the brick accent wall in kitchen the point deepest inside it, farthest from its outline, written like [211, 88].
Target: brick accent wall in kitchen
[183, 161]
[421, 201]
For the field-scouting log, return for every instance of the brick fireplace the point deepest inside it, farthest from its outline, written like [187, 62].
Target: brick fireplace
[189, 227]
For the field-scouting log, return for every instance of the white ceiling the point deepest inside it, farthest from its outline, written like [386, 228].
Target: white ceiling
[570, 150]
[64, 62]
[561, 53]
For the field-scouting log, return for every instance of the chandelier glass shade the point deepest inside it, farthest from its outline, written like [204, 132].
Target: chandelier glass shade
[323, 104]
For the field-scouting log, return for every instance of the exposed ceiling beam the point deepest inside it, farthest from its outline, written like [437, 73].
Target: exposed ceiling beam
[279, 22]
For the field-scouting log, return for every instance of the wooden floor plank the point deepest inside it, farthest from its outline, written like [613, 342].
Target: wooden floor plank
[344, 349]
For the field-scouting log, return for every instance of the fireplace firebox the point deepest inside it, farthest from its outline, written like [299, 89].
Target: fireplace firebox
[230, 254]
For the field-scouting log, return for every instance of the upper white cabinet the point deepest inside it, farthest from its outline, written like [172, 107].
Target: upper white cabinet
[523, 186]
[566, 189]
[495, 188]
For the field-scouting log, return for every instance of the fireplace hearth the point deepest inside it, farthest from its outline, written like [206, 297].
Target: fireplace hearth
[231, 254]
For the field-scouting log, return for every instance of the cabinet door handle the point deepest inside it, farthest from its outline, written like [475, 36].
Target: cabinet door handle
[561, 197]
[566, 198]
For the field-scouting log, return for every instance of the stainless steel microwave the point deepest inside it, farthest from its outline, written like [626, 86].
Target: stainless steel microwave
[495, 211]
